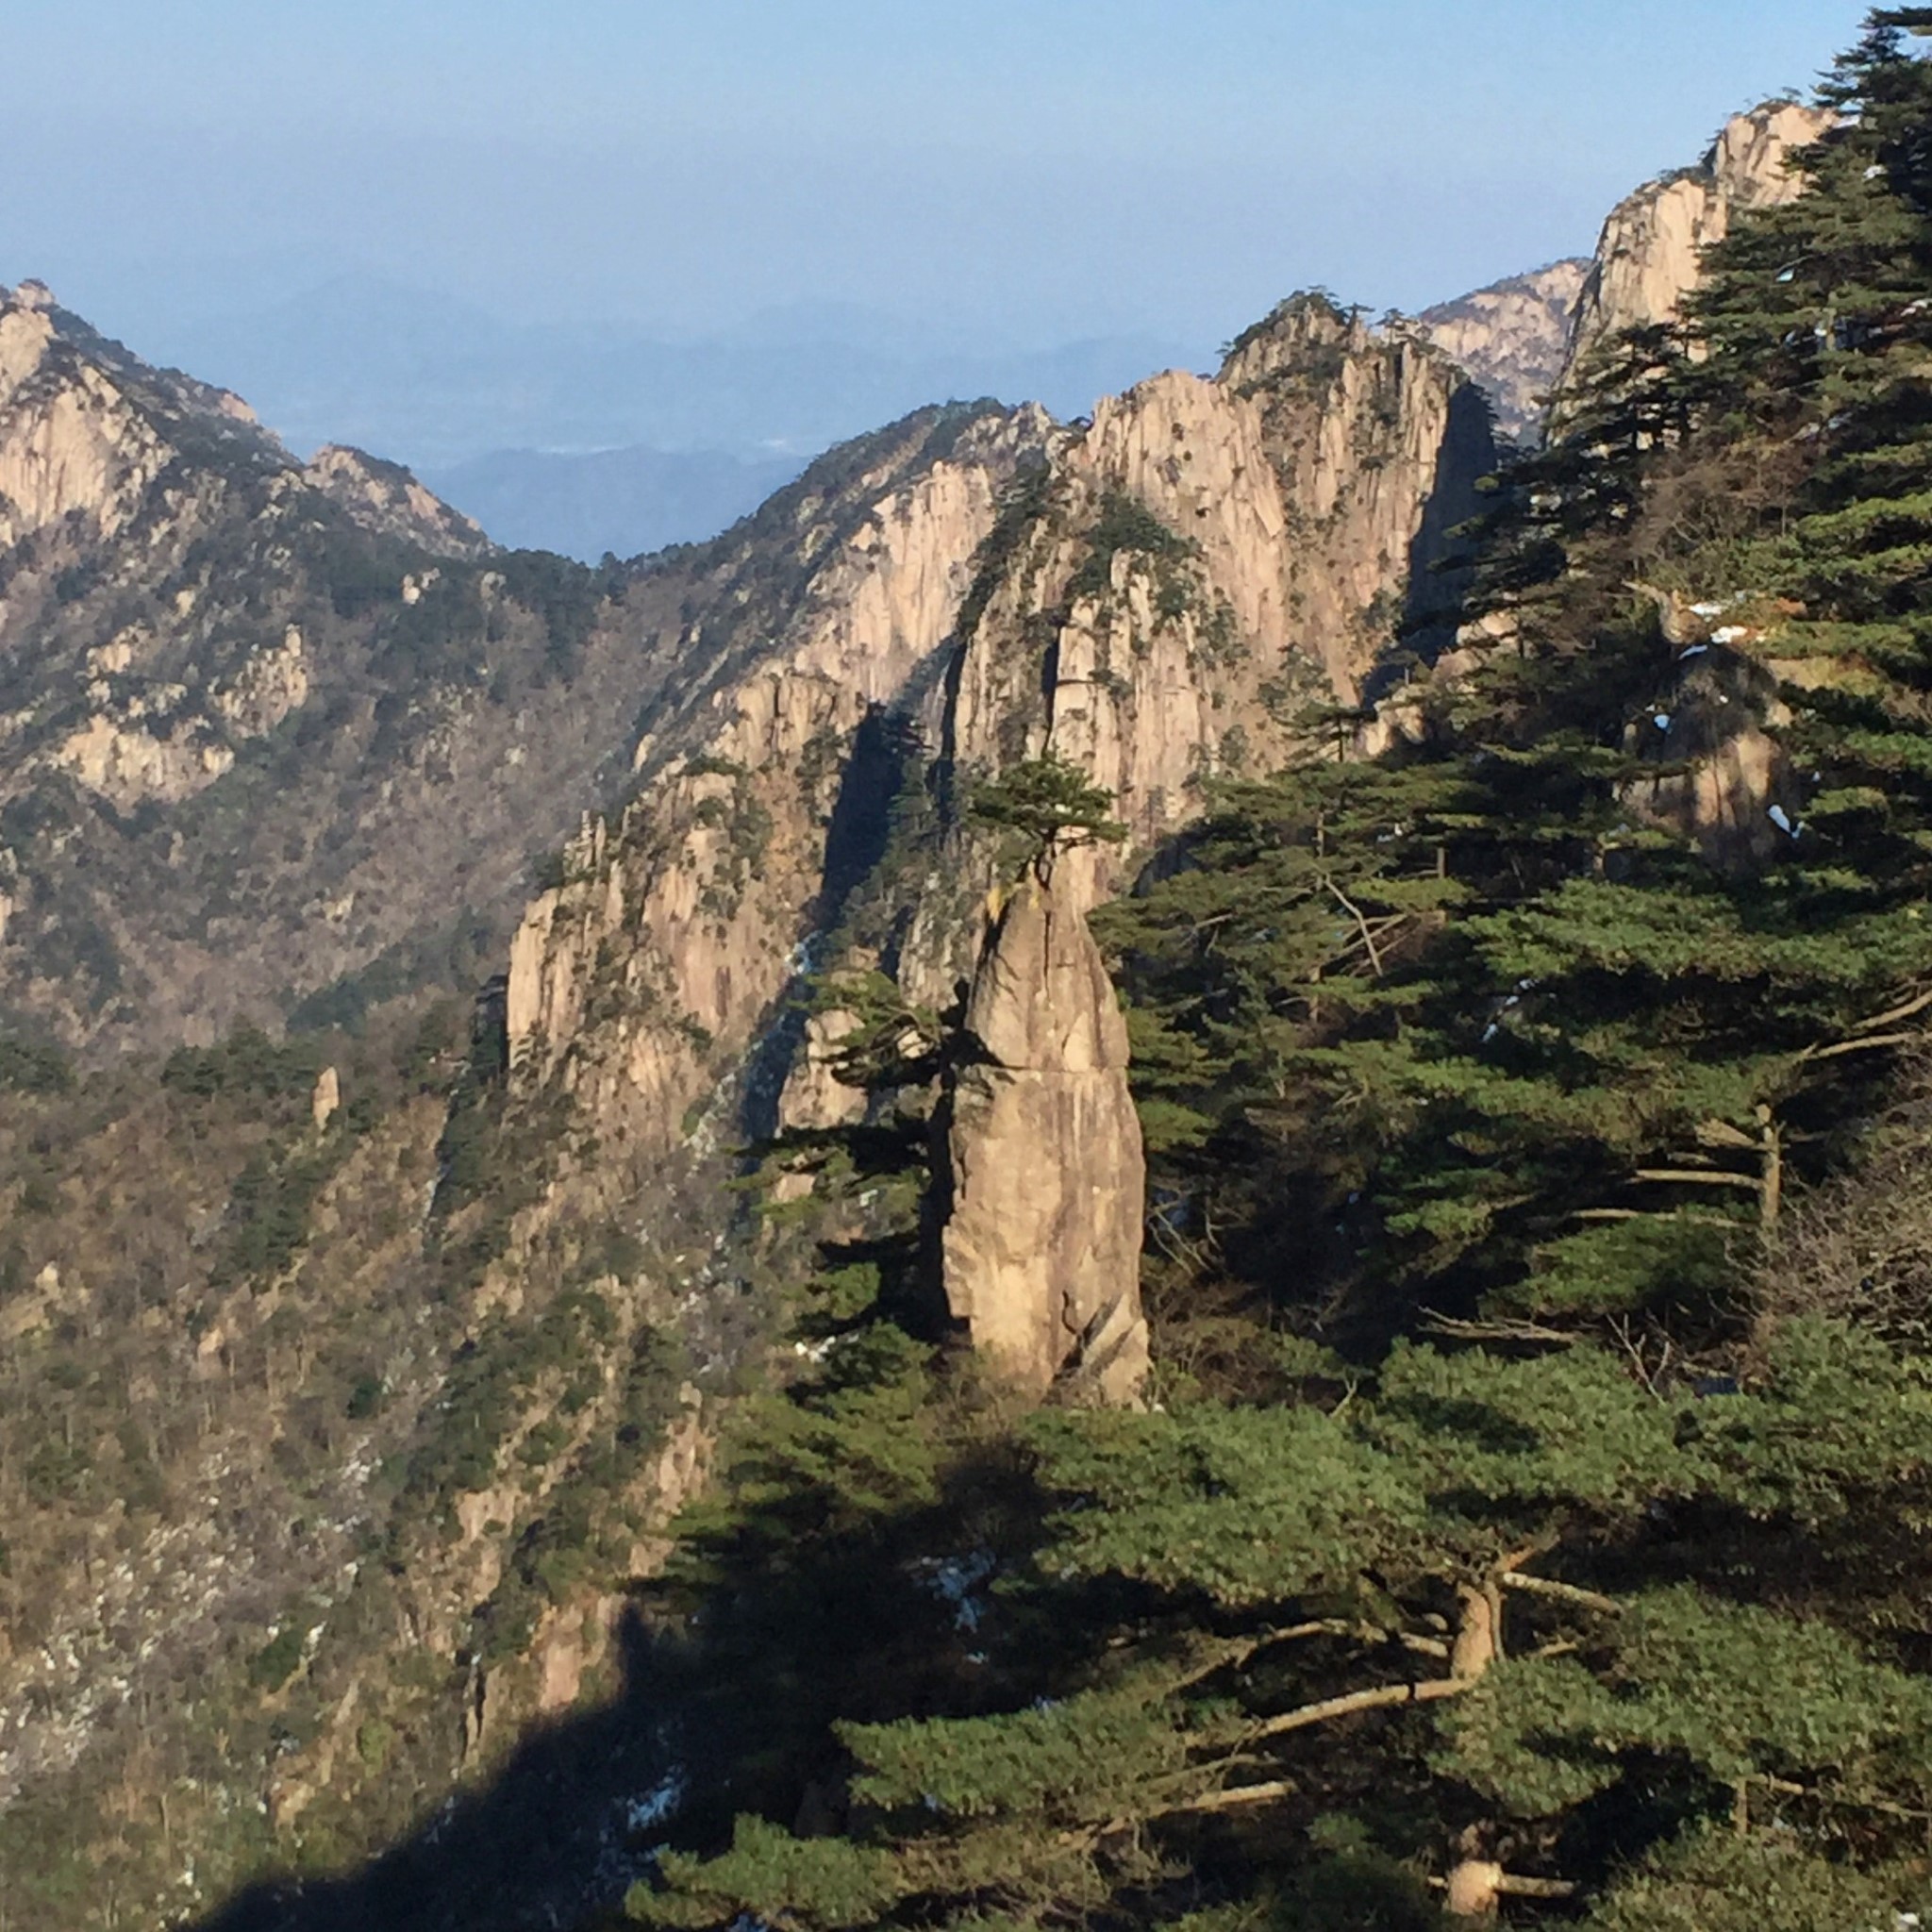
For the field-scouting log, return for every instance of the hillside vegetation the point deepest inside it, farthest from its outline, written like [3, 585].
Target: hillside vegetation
[1530, 1516]
[1525, 1516]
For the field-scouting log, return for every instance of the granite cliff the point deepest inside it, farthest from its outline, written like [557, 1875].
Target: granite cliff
[1043, 1175]
[1646, 256]
[1151, 597]
[1513, 337]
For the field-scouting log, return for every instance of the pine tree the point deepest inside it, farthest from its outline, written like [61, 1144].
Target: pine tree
[1509, 1623]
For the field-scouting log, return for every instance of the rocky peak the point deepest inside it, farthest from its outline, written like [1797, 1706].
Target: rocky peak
[1299, 337]
[387, 500]
[1647, 256]
[88, 429]
[1513, 337]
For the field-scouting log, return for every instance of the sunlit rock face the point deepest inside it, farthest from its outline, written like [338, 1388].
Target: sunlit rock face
[1042, 1174]
[263, 722]
[1648, 257]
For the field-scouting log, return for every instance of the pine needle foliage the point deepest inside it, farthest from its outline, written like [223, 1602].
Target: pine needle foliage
[1502, 1540]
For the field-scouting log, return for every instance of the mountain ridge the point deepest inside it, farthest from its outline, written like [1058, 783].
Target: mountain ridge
[440, 1306]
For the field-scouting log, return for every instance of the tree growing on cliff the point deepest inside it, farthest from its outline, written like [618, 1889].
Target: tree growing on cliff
[1044, 805]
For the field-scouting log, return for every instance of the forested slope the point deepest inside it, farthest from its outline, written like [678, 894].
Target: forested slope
[1513, 1502]
[1529, 1515]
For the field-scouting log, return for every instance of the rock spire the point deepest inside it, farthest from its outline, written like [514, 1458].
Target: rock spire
[1043, 1174]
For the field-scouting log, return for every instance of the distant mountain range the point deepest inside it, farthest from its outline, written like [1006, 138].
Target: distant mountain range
[587, 437]
[618, 501]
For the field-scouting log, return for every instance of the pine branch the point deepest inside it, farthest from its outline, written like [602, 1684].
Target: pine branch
[1384, 1697]
[1510, 1886]
[1701, 1220]
[1362, 1633]
[1867, 1045]
[1867, 1035]
[1459, 1329]
[1690, 1177]
[1241, 1794]
[1349, 906]
[1561, 1592]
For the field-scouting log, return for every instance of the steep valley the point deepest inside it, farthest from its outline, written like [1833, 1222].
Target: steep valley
[461, 1006]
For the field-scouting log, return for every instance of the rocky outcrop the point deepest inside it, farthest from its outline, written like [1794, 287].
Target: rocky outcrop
[1648, 257]
[1725, 779]
[682, 920]
[87, 432]
[1043, 1184]
[1514, 338]
[387, 500]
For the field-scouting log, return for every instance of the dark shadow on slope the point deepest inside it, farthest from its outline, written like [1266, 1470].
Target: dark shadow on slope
[884, 747]
[1439, 561]
[548, 1839]
[823, 1599]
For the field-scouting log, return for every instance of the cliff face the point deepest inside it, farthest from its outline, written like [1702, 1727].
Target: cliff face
[1152, 596]
[1523, 337]
[86, 431]
[639, 981]
[1209, 557]
[1514, 338]
[1171, 583]
[1647, 256]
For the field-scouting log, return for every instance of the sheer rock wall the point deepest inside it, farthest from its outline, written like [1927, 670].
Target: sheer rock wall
[1647, 256]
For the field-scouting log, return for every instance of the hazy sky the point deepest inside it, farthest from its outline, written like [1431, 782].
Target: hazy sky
[1036, 168]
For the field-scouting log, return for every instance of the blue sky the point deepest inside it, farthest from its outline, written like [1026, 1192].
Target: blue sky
[1028, 171]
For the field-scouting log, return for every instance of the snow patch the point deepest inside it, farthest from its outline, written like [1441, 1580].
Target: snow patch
[956, 1580]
